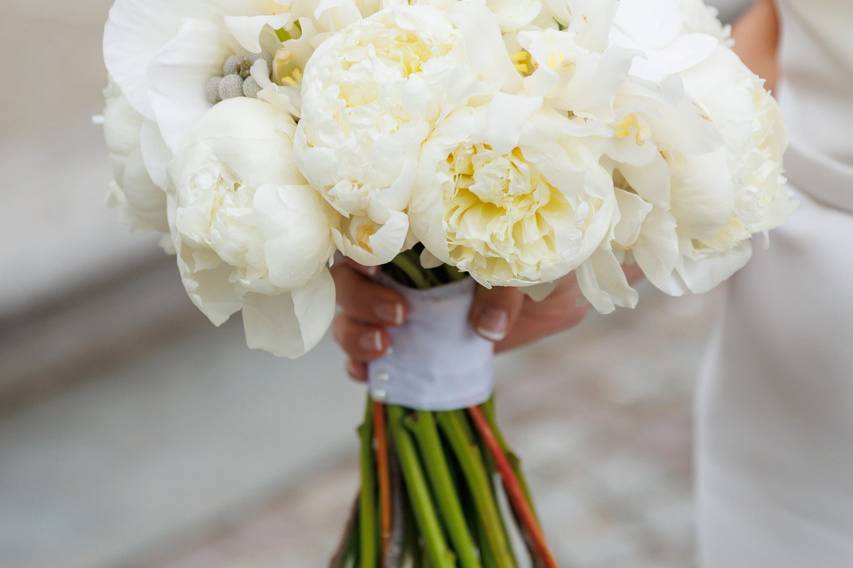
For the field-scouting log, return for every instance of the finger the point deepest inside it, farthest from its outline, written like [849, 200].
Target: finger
[357, 371]
[495, 311]
[531, 329]
[362, 299]
[362, 343]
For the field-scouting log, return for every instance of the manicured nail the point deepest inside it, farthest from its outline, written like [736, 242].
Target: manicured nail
[391, 313]
[371, 341]
[493, 324]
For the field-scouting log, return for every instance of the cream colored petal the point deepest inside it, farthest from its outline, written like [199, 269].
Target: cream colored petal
[178, 76]
[633, 211]
[135, 32]
[506, 117]
[369, 243]
[702, 195]
[290, 325]
[155, 153]
[294, 221]
[704, 274]
[253, 139]
[247, 29]
[657, 252]
[602, 281]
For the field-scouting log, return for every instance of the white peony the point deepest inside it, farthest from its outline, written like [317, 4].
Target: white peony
[509, 193]
[706, 155]
[248, 232]
[370, 96]
[141, 201]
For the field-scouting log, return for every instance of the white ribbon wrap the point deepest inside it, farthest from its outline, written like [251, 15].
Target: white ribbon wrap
[437, 362]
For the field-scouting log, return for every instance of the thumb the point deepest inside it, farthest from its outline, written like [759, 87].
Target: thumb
[495, 311]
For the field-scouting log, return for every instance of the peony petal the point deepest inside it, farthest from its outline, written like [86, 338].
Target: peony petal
[178, 76]
[155, 153]
[383, 242]
[135, 32]
[485, 46]
[633, 211]
[295, 223]
[238, 133]
[513, 15]
[507, 115]
[540, 292]
[602, 281]
[704, 274]
[290, 325]
[591, 22]
[657, 252]
[702, 195]
[247, 29]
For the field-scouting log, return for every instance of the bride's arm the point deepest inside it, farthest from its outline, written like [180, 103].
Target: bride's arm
[756, 35]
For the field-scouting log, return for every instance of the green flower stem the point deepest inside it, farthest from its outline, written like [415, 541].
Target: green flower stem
[489, 560]
[367, 503]
[489, 411]
[439, 554]
[424, 428]
[454, 424]
[419, 277]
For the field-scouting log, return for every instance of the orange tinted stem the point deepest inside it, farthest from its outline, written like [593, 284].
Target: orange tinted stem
[513, 488]
[383, 476]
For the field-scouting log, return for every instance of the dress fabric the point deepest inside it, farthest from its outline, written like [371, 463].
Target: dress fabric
[775, 405]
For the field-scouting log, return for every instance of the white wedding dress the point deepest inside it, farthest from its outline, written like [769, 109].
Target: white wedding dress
[775, 408]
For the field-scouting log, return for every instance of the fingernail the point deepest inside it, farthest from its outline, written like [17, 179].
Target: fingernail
[391, 313]
[371, 270]
[371, 341]
[493, 324]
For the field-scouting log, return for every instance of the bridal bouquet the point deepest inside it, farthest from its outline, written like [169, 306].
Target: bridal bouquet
[502, 142]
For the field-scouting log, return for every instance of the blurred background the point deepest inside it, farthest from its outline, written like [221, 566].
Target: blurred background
[132, 433]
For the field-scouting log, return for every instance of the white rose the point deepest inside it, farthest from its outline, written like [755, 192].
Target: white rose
[248, 232]
[370, 96]
[141, 201]
[507, 193]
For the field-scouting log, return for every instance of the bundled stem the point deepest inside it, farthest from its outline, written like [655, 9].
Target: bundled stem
[383, 471]
[513, 488]
[437, 550]
[456, 428]
[425, 431]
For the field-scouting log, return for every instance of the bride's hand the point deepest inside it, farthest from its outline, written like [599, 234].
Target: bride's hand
[502, 315]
